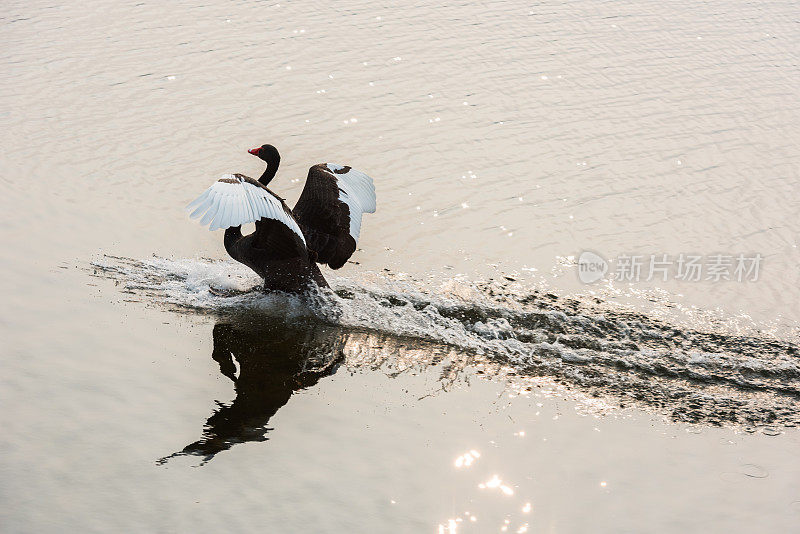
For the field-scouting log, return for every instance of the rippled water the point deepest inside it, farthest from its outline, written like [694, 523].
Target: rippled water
[504, 138]
[693, 376]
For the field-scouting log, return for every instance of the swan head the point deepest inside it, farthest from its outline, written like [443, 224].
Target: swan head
[267, 153]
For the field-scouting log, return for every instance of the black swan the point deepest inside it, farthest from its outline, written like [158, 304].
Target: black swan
[322, 228]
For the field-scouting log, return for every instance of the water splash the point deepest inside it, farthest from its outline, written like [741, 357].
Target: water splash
[588, 346]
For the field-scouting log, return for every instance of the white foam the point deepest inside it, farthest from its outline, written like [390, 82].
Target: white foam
[609, 349]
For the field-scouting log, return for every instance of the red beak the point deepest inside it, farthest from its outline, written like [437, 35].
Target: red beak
[254, 151]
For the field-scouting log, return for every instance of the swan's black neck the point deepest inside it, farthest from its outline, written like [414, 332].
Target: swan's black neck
[273, 159]
[232, 235]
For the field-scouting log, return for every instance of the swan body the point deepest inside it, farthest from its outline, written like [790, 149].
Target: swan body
[284, 250]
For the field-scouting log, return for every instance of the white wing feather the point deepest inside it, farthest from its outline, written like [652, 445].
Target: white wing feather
[233, 201]
[357, 190]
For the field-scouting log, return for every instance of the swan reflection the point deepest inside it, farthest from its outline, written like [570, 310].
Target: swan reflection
[268, 359]
[267, 362]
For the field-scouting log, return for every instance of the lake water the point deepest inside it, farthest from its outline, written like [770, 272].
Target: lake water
[462, 377]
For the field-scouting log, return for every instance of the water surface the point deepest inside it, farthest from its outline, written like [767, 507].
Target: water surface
[504, 138]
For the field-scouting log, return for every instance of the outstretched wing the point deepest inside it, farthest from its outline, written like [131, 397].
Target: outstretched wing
[235, 200]
[329, 210]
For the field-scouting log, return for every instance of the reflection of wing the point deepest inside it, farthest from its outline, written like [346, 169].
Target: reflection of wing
[329, 210]
[235, 200]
